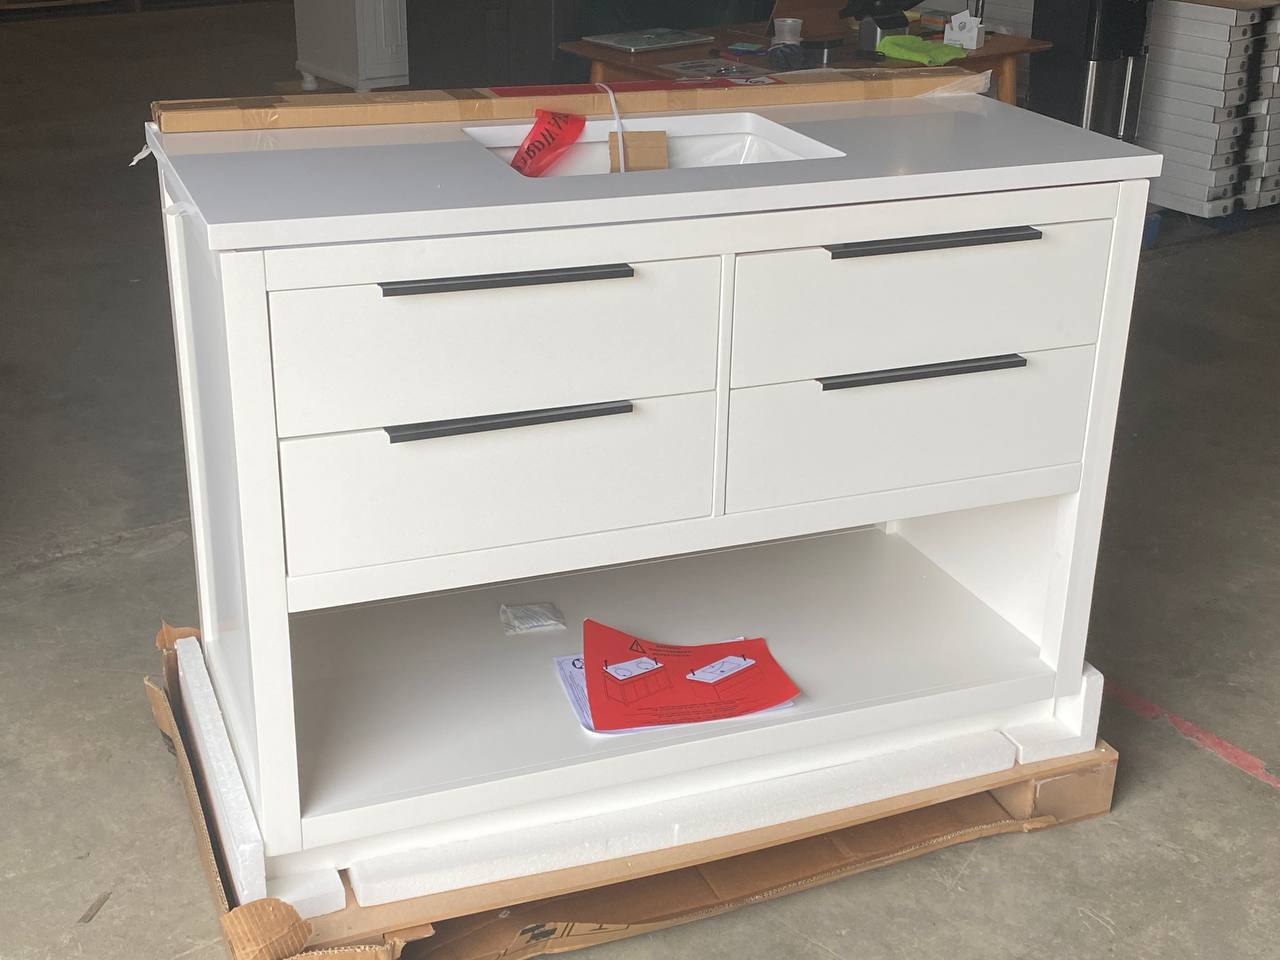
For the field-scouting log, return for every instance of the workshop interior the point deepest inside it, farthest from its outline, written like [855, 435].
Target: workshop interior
[754, 478]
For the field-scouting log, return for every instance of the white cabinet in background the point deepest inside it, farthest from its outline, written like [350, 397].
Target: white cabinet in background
[360, 44]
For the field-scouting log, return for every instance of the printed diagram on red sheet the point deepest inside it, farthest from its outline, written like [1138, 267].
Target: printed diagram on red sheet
[632, 682]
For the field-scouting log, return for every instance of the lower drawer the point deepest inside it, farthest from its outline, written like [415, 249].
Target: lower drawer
[798, 442]
[357, 499]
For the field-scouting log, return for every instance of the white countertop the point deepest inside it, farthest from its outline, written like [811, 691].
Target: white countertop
[260, 189]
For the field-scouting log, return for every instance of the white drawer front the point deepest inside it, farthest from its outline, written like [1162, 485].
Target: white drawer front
[796, 442]
[808, 313]
[350, 358]
[357, 499]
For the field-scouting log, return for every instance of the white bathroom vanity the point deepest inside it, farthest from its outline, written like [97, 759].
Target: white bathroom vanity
[844, 377]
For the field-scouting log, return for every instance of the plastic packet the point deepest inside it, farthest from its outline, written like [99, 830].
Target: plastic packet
[972, 83]
[530, 618]
[551, 135]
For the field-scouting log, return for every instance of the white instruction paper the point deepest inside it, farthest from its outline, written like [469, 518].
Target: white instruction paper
[574, 680]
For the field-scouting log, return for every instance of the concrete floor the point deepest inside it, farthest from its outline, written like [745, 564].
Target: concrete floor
[95, 548]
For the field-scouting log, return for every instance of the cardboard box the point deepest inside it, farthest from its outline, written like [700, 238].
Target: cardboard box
[666, 900]
[1236, 4]
[573, 908]
[286, 111]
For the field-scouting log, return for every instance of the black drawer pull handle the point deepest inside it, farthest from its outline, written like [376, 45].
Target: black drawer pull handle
[504, 421]
[495, 281]
[926, 371]
[937, 241]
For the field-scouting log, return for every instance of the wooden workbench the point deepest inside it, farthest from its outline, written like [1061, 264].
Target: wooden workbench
[999, 55]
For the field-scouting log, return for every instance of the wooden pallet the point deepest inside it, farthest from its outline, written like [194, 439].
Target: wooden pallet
[582, 906]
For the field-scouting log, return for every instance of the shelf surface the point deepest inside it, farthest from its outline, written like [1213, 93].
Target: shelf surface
[426, 699]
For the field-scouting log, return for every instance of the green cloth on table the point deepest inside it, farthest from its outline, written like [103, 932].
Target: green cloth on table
[918, 50]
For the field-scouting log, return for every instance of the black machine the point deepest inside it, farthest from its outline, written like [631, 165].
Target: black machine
[1093, 75]
[878, 18]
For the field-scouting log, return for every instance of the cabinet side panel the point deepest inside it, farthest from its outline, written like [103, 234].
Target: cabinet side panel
[200, 346]
[384, 45]
[1081, 522]
[1003, 554]
[262, 561]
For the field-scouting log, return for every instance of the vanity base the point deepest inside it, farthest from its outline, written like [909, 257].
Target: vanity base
[640, 894]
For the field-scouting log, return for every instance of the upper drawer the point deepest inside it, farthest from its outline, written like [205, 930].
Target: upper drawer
[822, 311]
[375, 355]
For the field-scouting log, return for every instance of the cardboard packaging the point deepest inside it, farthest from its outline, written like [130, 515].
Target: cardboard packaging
[570, 909]
[643, 150]
[514, 103]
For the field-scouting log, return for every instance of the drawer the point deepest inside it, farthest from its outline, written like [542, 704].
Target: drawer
[822, 311]
[378, 496]
[882, 430]
[350, 358]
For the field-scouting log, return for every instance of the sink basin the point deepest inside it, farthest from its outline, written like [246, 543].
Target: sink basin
[693, 140]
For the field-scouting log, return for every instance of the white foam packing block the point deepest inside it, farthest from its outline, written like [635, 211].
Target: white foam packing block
[683, 820]
[1073, 728]
[228, 800]
[311, 894]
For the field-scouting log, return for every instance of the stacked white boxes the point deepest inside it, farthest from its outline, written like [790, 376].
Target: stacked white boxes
[1210, 104]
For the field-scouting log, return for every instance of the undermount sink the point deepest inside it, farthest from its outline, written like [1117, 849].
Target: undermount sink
[693, 140]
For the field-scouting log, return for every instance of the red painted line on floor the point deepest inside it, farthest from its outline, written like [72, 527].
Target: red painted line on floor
[1238, 757]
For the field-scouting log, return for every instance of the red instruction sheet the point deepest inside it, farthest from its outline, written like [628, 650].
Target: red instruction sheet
[636, 683]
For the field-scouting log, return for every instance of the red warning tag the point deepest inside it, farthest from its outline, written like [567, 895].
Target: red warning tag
[551, 136]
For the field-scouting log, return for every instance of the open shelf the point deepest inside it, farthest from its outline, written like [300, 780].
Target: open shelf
[416, 711]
